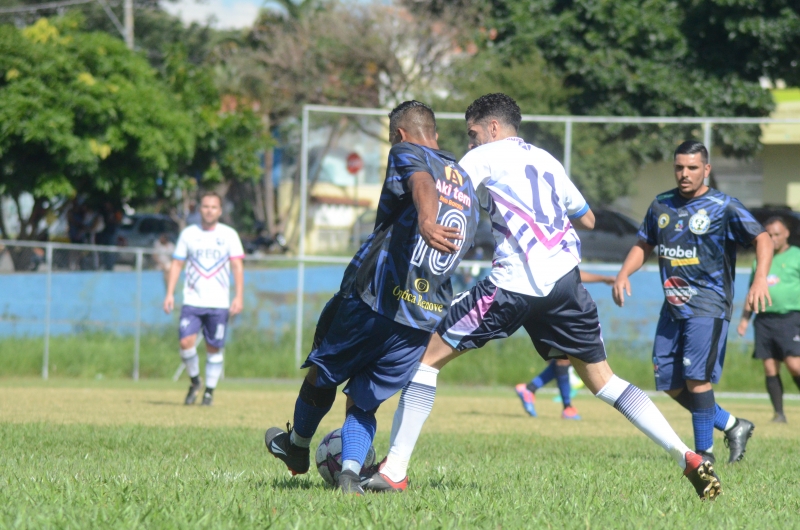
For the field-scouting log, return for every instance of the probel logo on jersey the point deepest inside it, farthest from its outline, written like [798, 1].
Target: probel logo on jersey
[677, 252]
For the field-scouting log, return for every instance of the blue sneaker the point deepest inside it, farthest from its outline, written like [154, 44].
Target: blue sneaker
[528, 399]
[570, 413]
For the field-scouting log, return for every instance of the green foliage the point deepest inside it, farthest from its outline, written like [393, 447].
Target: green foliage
[257, 354]
[80, 112]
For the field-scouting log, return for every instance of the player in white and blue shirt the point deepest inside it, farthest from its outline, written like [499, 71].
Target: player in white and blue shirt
[211, 251]
[534, 283]
[695, 231]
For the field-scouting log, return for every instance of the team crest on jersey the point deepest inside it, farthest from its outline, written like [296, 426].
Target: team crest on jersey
[699, 223]
[220, 241]
[773, 279]
[663, 220]
[422, 285]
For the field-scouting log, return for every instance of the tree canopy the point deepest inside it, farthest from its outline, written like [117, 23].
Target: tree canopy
[80, 112]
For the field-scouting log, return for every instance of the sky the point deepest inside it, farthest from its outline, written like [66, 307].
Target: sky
[229, 14]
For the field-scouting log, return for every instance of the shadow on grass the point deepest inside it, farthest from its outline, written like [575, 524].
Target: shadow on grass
[493, 414]
[291, 484]
[166, 403]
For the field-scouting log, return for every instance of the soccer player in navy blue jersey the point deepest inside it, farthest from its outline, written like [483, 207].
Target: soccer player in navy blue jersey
[695, 230]
[394, 293]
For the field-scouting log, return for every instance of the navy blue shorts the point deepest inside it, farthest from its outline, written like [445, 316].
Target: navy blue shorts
[563, 322]
[212, 320]
[375, 354]
[688, 349]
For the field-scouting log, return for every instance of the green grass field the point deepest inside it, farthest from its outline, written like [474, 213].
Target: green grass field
[117, 454]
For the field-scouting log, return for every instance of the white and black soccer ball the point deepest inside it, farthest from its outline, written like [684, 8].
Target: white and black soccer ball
[329, 457]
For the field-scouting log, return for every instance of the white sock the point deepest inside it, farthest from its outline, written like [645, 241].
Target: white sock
[642, 412]
[351, 465]
[415, 406]
[730, 424]
[213, 369]
[191, 361]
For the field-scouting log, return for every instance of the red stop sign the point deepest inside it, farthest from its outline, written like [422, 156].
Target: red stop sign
[354, 163]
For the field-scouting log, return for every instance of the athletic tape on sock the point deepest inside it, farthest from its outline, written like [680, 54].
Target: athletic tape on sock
[215, 358]
[188, 354]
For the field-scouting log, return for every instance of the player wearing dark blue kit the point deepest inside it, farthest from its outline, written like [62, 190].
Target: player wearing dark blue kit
[394, 293]
[695, 230]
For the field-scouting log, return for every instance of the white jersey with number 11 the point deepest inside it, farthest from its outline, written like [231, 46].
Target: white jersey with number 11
[530, 200]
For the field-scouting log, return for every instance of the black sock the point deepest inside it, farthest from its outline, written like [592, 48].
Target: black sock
[775, 390]
[684, 399]
[196, 380]
[209, 391]
[797, 381]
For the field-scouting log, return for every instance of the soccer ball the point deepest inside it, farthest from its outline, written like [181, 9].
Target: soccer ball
[329, 457]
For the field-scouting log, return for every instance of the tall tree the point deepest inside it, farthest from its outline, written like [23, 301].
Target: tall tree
[81, 112]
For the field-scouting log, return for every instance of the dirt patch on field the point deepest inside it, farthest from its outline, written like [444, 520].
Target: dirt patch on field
[260, 409]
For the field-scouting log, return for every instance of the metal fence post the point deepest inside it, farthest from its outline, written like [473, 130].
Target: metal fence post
[138, 328]
[301, 247]
[47, 302]
[568, 147]
[707, 138]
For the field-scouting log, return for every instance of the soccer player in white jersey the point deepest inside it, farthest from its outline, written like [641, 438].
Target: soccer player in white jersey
[210, 250]
[534, 283]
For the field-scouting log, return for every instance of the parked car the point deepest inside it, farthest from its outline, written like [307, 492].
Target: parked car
[142, 230]
[613, 236]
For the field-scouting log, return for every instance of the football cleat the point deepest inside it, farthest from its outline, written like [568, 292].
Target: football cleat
[279, 444]
[208, 399]
[700, 473]
[194, 390]
[570, 413]
[779, 418]
[350, 483]
[736, 439]
[378, 482]
[528, 399]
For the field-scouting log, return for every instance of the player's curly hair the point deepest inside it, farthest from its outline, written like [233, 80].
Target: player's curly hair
[413, 116]
[497, 106]
[692, 147]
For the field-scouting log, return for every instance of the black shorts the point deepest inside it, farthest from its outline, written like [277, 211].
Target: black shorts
[563, 322]
[777, 336]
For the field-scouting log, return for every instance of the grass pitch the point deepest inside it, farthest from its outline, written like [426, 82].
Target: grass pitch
[78, 454]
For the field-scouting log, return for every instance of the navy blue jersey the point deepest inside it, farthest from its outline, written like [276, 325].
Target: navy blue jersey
[696, 243]
[394, 271]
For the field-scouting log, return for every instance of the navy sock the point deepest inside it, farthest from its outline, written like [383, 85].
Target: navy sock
[358, 432]
[311, 406]
[562, 379]
[547, 375]
[720, 417]
[703, 413]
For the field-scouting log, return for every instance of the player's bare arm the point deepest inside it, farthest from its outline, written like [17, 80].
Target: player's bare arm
[585, 221]
[633, 262]
[172, 281]
[758, 296]
[237, 267]
[590, 277]
[426, 200]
